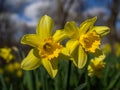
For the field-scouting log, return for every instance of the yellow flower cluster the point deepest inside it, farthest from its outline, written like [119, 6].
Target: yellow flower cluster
[107, 48]
[6, 54]
[12, 68]
[117, 49]
[47, 47]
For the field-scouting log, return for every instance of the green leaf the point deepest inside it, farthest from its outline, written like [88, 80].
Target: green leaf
[113, 82]
[4, 86]
[81, 87]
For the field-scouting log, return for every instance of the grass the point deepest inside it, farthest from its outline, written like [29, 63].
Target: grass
[75, 79]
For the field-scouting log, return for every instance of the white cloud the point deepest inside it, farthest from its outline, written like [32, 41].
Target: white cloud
[31, 23]
[97, 11]
[14, 17]
[34, 10]
[20, 22]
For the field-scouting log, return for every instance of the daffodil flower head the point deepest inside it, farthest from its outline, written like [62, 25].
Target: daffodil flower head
[19, 73]
[117, 49]
[9, 68]
[16, 65]
[46, 47]
[96, 67]
[84, 39]
[1, 71]
[49, 49]
[90, 41]
[106, 48]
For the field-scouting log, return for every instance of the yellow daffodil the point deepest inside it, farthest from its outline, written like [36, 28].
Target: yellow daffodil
[84, 39]
[1, 71]
[96, 67]
[19, 73]
[6, 54]
[46, 47]
[9, 68]
[16, 65]
[117, 49]
[107, 48]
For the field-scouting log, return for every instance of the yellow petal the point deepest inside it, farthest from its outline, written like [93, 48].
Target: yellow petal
[74, 56]
[101, 30]
[64, 55]
[59, 35]
[71, 30]
[51, 66]
[79, 57]
[44, 28]
[82, 57]
[71, 45]
[65, 51]
[31, 61]
[30, 39]
[87, 25]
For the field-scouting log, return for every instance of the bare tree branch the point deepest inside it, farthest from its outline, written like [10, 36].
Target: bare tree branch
[62, 13]
[113, 19]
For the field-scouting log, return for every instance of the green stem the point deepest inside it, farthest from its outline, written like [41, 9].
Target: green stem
[68, 75]
[44, 79]
[87, 81]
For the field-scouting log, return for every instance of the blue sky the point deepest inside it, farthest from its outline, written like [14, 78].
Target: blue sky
[29, 14]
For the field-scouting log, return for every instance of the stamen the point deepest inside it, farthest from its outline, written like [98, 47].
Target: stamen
[90, 41]
[49, 49]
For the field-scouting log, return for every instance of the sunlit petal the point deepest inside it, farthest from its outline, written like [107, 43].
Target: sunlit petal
[87, 25]
[51, 66]
[59, 35]
[71, 45]
[71, 30]
[64, 55]
[30, 39]
[82, 57]
[45, 27]
[79, 57]
[101, 30]
[31, 61]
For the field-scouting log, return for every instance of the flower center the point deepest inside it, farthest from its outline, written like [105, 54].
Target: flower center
[49, 49]
[90, 41]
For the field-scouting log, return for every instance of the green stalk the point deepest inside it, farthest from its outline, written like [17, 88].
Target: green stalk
[86, 74]
[44, 79]
[68, 75]
[4, 86]
[87, 81]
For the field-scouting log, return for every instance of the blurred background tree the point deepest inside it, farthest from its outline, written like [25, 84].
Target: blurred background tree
[18, 17]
